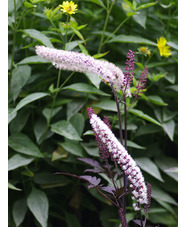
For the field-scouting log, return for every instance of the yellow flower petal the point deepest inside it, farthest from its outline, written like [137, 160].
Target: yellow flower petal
[69, 7]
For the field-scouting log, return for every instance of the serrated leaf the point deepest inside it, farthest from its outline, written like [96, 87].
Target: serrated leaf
[35, 34]
[139, 113]
[147, 165]
[82, 87]
[23, 144]
[20, 75]
[94, 181]
[18, 160]
[38, 204]
[65, 128]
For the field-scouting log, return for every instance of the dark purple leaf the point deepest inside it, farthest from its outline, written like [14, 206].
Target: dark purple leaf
[108, 189]
[94, 170]
[90, 162]
[138, 222]
[91, 180]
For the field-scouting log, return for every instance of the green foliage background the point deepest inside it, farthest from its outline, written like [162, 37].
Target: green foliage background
[48, 122]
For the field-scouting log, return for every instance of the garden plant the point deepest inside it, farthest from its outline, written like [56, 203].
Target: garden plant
[92, 113]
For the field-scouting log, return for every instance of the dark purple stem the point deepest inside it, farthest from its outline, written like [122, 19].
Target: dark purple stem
[116, 204]
[119, 115]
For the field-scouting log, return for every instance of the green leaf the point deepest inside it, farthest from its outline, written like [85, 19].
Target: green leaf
[74, 107]
[35, 34]
[139, 113]
[50, 179]
[23, 144]
[73, 148]
[72, 220]
[159, 194]
[169, 128]
[78, 122]
[30, 98]
[33, 60]
[47, 112]
[166, 163]
[11, 114]
[38, 204]
[147, 165]
[147, 129]
[65, 128]
[18, 160]
[19, 211]
[78, 34]
[134, 145]
[141, 18]
[94, 79]
[163, 218]
[40, 127]
[91, 148]
[146, 5]
[20, 75]
[131, 39]
[19, 121]
[11, 186]
[107, 104]
[156, 100]
[100, 55]
[98, 2]
[171, 77]
[82, 87]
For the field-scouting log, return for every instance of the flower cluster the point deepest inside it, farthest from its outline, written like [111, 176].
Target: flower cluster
[69, 7]
[73, 61]
[129, 67]
[141, 82]
[163, 48]
[110, 143]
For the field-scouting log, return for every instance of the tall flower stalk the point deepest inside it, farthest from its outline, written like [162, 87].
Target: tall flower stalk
[111, 149]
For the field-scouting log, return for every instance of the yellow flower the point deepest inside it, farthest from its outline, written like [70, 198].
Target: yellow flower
[69, 7]
[143, 50]
[149, 53]
[163, 49]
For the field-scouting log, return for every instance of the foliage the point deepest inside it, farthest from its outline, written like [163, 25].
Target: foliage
[48, 121]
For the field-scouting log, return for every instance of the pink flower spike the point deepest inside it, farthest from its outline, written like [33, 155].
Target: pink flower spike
[110, 144]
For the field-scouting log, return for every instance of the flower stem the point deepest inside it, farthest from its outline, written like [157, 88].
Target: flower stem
[119, 114]
[105, 24]
[119, 26]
